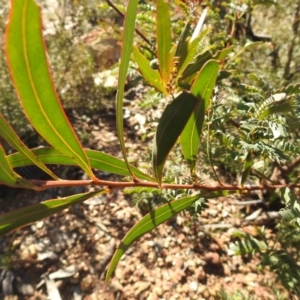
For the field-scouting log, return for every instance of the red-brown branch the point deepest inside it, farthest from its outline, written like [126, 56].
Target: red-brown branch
[46, 184]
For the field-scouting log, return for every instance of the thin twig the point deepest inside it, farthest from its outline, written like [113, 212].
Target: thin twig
[122, 15]
[295, 27]
[47, 184]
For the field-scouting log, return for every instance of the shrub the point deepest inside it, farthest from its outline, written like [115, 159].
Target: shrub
[208, 113]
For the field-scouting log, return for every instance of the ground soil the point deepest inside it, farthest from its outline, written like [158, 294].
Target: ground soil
[185, 258]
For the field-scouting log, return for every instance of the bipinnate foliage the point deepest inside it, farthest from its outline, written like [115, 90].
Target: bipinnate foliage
[191, 67]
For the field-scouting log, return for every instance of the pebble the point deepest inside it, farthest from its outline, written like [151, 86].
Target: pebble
[140, 287]
[86, 283]
[193, 286]
[158, 290]
[212, 257]
[200, 273]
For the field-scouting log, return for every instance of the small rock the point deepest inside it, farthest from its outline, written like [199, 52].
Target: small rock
[178, 263]
[213, 258]
[202, 289]
[40, 224]
[185, 288]
[193, 286]
[152, 296]
[205, 294]
[200, 273]
[214, 247]
[86, 283]
[160, 262]
[158, 290]
[140, 287]
[213, 212]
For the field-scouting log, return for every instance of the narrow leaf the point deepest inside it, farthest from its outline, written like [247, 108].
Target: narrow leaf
[150, 75]
[25, 50]
[12, 138]
[146, 224]
[111, 164]
[182, 46]
[171, 124]
[98, 160]
[27, 215]
[202, 88]
[195, 66]
[9, 177]
[163, 38]
[192, 49]
[192, 68]
[129, 28]
[221, 54]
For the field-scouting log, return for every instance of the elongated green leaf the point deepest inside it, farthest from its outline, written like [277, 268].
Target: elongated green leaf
[192, 48]
[163, 38]
[27, 215]
[221, 54]
[146, 224]
[129, 28]
[25, 50]
[12, 138]
[9, 177]
[111, 164]
[98, 160]
[149, 74]
[171, 124]
[202, 88]
[182, 46]
[193, 68]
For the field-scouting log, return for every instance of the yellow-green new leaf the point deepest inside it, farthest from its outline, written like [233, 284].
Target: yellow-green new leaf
[27, 215]
[9, 177]
[12, 138]
[148, 223]
[170, 126]
[163, 38]
[202, 88]
[25, 50]
[150, 75]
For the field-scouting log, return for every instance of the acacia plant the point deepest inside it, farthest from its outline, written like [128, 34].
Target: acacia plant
[186, 72]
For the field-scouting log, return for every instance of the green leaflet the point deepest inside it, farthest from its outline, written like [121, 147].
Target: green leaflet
[276, 104]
